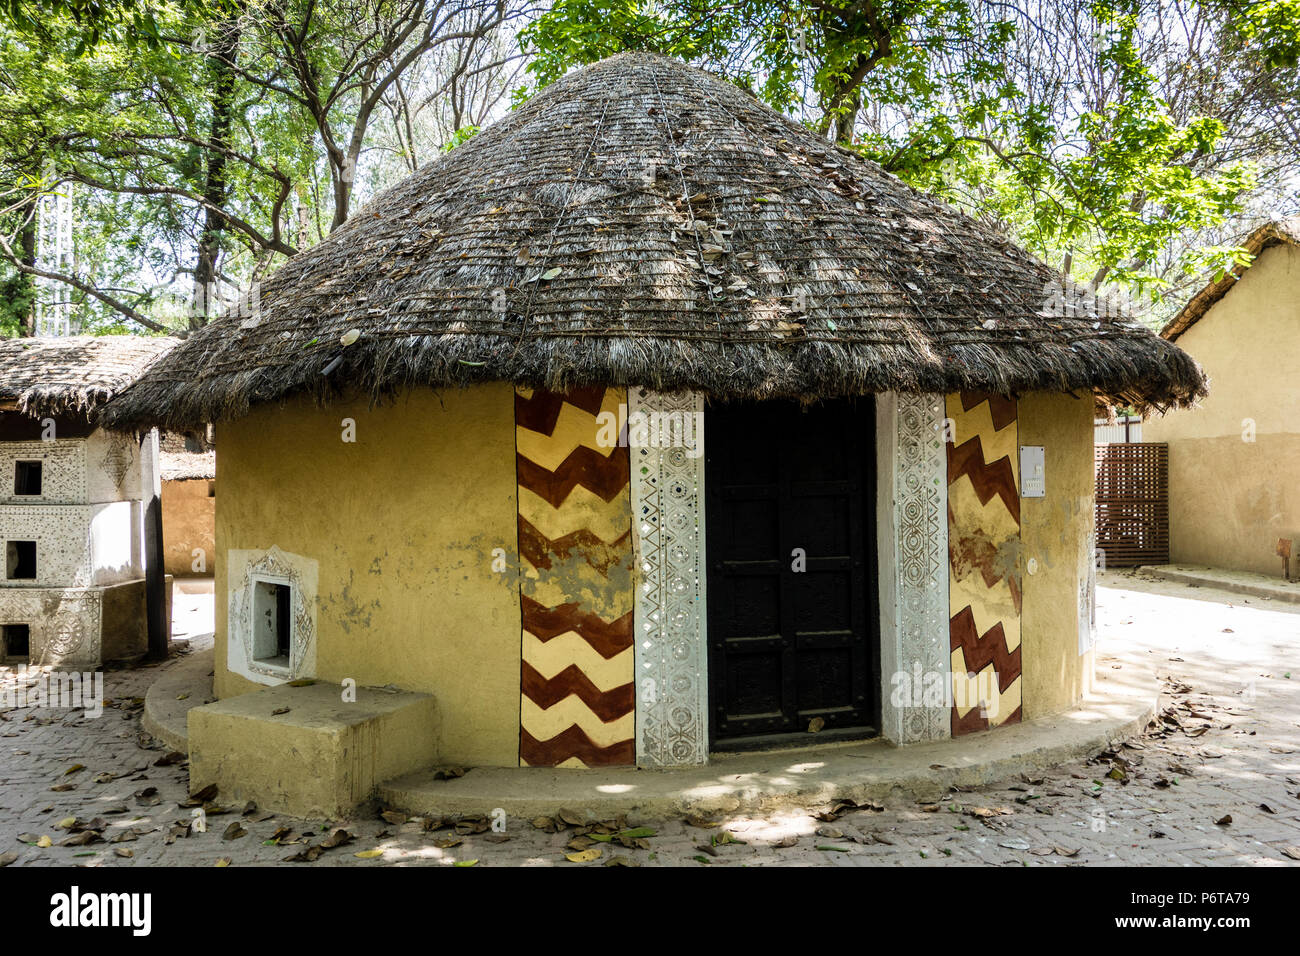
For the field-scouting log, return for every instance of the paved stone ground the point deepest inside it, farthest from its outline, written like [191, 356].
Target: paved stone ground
[1218, 782]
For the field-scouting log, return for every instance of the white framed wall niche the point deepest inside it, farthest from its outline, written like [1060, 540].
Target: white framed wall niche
[271, 624]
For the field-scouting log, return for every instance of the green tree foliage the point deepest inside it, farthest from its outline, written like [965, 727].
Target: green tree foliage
[1049, 118]
[205, 149]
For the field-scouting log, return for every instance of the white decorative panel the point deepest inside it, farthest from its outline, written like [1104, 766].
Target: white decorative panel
[912, 542]
[243, 569]
[64, 624]
[113, 467]
[1088, 592]
[63, 471]
[62, 536]
[670, 650]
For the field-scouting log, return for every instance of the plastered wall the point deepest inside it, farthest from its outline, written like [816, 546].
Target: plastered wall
[1233, 460]
[414, 529]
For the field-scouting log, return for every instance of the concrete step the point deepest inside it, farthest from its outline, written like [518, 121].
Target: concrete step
[1122, 705]
[308, 751]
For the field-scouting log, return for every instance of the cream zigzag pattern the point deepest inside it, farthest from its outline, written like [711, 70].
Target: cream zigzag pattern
[967, 691]
[989, 606]
[582, 510]
[996, 444]
[545, 724]
[579, 427]
[551, 657]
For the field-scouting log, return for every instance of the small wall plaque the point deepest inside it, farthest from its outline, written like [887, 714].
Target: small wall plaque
[1033, 481]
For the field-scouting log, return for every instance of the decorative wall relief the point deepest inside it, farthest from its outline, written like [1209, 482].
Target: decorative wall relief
[62, 536]
[64, 623]
[1088, 593]
[63, 471]
[244, 569]
[671, 653]
[118, 458]
[576, 582]
[984, 561]
[912, 537]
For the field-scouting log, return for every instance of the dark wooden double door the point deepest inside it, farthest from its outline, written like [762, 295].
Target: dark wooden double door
[790, 546]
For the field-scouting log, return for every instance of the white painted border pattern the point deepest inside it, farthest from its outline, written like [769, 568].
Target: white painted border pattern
[912, 542]
[669, 630]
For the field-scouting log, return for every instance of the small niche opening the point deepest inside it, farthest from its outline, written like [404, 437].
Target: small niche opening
[272, 623]
[20, 560]
[15, 644]
[27, 478]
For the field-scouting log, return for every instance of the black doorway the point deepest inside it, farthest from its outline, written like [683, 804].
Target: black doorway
[790, 643]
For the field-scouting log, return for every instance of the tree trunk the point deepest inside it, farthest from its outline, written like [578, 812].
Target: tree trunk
[225, 50]
[27, 281]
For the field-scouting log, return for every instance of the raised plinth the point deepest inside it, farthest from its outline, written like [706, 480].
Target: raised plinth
[320, 757]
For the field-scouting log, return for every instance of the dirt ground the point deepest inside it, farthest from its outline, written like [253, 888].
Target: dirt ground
[1215, 782]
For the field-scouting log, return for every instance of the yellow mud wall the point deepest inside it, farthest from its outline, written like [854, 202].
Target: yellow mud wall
[1056, 534]
[187, 513]
[403, 522]
[1231, 499]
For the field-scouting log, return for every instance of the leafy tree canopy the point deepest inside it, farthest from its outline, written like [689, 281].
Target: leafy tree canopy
[1050, 118]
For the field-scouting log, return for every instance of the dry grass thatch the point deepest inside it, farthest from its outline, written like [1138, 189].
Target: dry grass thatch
[1269, 234]
[186, 465]
[641, 222]
[72, 375]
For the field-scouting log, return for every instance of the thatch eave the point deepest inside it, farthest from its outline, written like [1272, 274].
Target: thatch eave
[72, 375]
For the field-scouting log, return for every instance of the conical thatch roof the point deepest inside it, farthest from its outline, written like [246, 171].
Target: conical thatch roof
[643, 222]
[73, 374]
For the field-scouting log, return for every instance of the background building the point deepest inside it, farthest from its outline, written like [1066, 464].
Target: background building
[1233, 459]
[73, 502]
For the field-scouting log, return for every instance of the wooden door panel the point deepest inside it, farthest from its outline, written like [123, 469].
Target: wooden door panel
[790, 640]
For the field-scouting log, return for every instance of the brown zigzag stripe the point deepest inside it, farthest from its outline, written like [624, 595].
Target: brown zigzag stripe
[604, 476]
[537, 549]
[1002, 410]
[605, 638]
[993, 478]
[573, 743]
[540, 412]
[607, 705]
[981, 650]
[973, 722]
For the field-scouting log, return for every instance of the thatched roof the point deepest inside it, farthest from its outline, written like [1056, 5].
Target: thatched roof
[72, 374]
[186, 465]
[1269, 234]
[641, 222]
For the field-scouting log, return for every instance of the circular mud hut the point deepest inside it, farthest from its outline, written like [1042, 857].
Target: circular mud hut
[648, 424]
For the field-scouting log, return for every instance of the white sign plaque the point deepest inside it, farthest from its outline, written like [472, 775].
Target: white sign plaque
[1033, 481]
